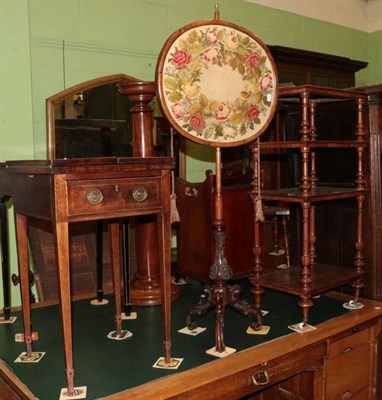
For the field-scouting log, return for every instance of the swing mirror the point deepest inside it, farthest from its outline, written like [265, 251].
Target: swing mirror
[91, 119]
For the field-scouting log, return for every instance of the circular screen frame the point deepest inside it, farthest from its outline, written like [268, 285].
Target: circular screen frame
[217, 83]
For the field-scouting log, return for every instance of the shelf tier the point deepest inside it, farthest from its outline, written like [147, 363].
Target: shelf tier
[318, 193]
[319, 92]
[324, 278]
[313, 144]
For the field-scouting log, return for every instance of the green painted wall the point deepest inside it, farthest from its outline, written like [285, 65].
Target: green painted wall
[16, 122]
[374, 43]
[49, 45]
[16, 109]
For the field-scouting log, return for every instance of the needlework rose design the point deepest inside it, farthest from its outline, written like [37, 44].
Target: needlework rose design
[218, 83]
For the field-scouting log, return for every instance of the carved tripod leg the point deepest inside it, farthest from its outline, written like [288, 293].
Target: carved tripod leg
[204, 305]
[219, 324]
[244, 308]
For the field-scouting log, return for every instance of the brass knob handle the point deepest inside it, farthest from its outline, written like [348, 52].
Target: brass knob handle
[15, 279]
[260, 378]
[140, 193]
[94, 196]
[32, 278]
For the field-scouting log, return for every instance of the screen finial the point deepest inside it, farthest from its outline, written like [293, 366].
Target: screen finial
[216, 13]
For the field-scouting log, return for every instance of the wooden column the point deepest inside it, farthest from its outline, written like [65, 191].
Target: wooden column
[145, 287]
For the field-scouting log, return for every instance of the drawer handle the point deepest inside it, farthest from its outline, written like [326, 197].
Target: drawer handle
[260, 378]
[94, 196]
[140, 193]
[346, 395]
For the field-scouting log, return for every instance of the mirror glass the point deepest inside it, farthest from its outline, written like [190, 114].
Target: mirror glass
[92, 119]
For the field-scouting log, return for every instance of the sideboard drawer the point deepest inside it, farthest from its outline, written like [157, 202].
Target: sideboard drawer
[113, 195]
[361, 394]
[353, 340]
[259, 377]
[348, 373]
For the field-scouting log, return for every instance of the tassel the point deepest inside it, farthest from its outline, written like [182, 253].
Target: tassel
[259, 210]
[174, 214]
[259, 214]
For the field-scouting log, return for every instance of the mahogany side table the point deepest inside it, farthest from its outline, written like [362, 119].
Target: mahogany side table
[64, 191]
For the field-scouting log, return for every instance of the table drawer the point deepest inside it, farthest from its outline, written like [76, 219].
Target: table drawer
[348, 373]
[113, 195]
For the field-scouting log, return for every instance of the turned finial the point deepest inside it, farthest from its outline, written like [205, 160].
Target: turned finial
[216, 13]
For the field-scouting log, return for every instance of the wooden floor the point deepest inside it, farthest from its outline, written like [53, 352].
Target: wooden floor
[107, 367]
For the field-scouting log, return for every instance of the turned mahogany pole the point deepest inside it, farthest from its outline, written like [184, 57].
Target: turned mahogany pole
[218, 272]
[305, 301]
[257, 290]
[145, 287]
[313, 129]
[218, 197]
[304, 129]
[359, 263]
[312, 235]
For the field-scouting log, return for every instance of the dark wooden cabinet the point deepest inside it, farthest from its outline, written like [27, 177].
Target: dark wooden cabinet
[301, 67]
[373, 210]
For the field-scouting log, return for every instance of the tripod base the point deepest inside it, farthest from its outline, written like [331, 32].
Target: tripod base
[219, 295]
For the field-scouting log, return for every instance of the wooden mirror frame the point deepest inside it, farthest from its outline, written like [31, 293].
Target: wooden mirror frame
[52, 100]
